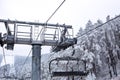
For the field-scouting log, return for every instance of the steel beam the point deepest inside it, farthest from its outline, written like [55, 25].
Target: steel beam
[34, 23]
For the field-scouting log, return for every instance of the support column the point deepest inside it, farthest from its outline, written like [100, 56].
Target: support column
[36, 62]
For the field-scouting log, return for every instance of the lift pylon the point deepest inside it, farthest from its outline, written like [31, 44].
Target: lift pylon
[21, 32]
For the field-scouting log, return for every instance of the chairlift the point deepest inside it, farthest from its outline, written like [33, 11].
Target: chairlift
[66, 73]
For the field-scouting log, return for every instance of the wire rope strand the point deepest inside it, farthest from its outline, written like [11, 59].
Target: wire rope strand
[26, 60]
[4, 62]
[98, 26]
[4, 56]
[55, 11]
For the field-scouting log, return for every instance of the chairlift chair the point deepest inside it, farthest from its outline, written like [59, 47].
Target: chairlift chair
[66, 73]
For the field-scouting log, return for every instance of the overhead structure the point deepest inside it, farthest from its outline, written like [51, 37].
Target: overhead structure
[21, 32]
[36, 34]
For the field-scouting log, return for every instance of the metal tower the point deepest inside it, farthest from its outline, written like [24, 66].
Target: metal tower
[37, 35]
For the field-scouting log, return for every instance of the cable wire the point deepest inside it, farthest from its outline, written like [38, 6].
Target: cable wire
[26, 60]
[99, 26]
[55, 11]
[4, 61]
[4, 56]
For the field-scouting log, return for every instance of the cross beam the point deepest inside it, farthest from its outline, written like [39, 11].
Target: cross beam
[34, 23]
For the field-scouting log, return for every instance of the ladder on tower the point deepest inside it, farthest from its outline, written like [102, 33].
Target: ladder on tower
[36, 32]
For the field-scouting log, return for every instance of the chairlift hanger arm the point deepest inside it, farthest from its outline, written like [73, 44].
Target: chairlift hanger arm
[7, 28]
[34, 23]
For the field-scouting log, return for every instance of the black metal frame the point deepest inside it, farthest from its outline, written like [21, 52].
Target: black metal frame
[66, 73]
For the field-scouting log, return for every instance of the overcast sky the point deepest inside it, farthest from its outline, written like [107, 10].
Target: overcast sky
[73, 12]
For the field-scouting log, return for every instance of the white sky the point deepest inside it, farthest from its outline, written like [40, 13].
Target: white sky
[73, 12]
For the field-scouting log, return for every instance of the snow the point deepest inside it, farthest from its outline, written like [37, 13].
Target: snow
[91, 76]
[116, 78]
